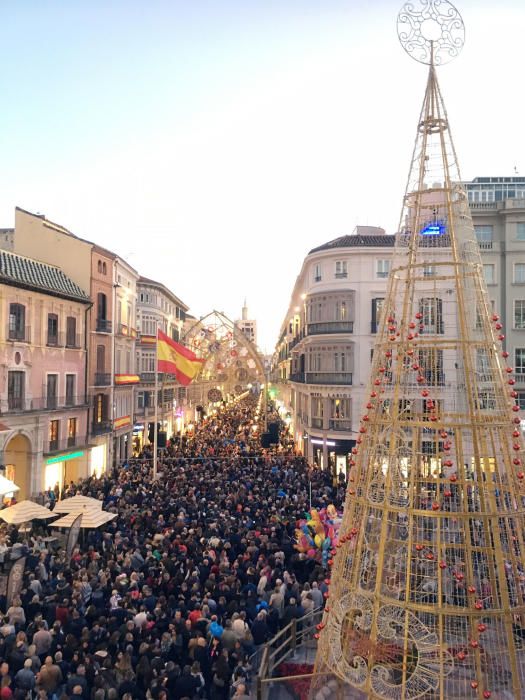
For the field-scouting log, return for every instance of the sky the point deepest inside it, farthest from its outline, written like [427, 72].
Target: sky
[213, 143]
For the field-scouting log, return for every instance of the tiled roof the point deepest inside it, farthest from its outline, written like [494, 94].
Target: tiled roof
[357, 241]
[32, 274]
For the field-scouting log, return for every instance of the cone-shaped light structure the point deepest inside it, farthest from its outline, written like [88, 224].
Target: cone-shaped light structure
[426, 598]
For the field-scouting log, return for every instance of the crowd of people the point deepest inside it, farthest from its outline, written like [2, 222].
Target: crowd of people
[174, 597]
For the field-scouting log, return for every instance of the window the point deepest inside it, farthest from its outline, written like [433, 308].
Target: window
[52, 386]
[101, 408]
[521, 400]
[340, 269]
[315, 362]
[377, 307]
[15, 390]
[104, 268]
[71, 432]
[519, 314]
[520, 231]
[484, 235]
[341, 312]
[429, 271]
[317, 273]
[52, 329]
[432, 311]
[489, 274]
[101, 359]
[17, 322]
[519, 273]
[519, 361]
[71, 332]
[103, 326]
[99, 266]
[70, 389]
[340, 362]
[54, 432]
[383, 268]
[148, 362]
[482, 365]
[431, 364]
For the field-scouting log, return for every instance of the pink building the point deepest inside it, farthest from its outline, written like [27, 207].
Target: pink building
[43, 399]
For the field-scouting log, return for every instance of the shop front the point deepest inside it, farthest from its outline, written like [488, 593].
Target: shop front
[332, 454]
[64, 468]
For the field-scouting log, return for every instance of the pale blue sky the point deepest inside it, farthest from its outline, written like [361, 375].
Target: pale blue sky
[213, 143]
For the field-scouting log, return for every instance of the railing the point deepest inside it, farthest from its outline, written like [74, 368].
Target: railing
[296, 339]
[102, 379]
[149, 378]
[101, 427]
[331, 327]
[297, 634]
[66, 443]
[317, 423]
[341, 275]
[73, 341]
[338, 378]
[22, 404]
[317, 278]
[103, 325]
[340, 424]
[485, 245]
[484, 205]
[22, 335]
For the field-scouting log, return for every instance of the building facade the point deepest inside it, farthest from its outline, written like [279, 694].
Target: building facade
[43, 390]
[325, 344]
[497, 205]
[247, 326]
[157, 309]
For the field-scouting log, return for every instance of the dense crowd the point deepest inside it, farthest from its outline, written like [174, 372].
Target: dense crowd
[174, 597]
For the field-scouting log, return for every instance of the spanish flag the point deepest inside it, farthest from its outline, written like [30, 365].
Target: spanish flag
[174, 358]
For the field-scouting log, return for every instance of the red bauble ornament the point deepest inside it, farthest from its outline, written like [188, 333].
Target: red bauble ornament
[511, 382]
[366, 418]
[516, 447]
[498, 326]
[478, 605]
[447, 494]
[509, 370]
[482, 627]
[516, 433]
[504, 354]
[420, 379]
[415, 367]
[501, 336]
[317, 635]
[495, 317]
[442, 564]
[377, 382]
[436, 506]
[514, 394]
[410, 336]
[515, 408]
[520, 475]
[453, 477]
[448, 463]
[443, 434]
[419, 314]
[369, 405]
[373, 394]
[471, 589]
[474, 644]
[516, 420]
[474, 684]
[461, 655]
[487, 694]
[411, 324]
[424, 392]
[391, 319]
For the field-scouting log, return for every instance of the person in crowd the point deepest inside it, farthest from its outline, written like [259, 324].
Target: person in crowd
[170, 599]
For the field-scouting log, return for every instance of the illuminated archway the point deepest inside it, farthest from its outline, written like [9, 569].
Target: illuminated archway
[232, 361]
[17, 457]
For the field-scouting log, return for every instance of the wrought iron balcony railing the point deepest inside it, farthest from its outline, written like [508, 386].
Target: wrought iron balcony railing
[337, 378]
[330, 327]
[23, 404]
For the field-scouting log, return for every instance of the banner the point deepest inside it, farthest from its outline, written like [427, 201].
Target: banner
[15, 580]
[72, 537]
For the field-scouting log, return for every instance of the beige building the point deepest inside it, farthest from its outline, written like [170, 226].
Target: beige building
[247, 326]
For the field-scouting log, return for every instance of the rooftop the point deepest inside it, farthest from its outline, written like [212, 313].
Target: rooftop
[363, 236]
[19, 271]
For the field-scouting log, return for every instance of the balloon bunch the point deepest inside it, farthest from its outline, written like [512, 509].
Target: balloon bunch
[317, 533]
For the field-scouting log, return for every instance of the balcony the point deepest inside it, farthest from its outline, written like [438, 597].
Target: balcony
[101, 427]
[336, 378]
[73, 341]
[317, 423]
[103, 325]
[20, 335]
[66, 444]
[342, 424]
[485, 245]
[22, 404]
[149, 378]
[317, 278]
[102, 379]
[330, 327]
[341, 275]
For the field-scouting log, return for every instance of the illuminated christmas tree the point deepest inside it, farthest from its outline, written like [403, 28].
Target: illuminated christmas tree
[427, 590]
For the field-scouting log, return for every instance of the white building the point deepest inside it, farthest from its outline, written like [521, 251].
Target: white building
[157, 308]
[247, 326]
[326, 341]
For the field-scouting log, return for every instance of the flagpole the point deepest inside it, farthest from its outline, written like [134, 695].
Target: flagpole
[155, 425]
